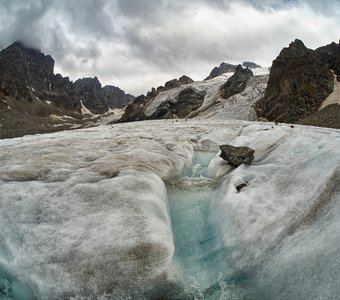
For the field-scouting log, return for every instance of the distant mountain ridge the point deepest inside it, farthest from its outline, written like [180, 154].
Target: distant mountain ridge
[230, 68]
[27, 73]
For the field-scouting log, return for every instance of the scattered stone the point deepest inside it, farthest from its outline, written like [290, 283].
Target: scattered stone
[237, 156]
[241, 186]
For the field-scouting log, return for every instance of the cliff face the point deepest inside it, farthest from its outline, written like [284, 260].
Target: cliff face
[24, 70]
[299, 82]
[115, 97]
[330, 56]
[89, 91]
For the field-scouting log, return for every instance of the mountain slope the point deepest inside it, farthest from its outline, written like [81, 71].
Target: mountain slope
[35, 100]
[223, 95]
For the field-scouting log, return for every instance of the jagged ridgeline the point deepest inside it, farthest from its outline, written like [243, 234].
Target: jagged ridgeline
[34, 99]
[299, 89]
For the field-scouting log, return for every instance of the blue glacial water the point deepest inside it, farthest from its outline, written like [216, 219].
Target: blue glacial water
[199, 254]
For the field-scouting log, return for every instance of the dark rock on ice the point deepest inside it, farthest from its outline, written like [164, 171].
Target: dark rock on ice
[241, 186]
[236, 83]
[189, 100]
[237, 156]
[135, 110]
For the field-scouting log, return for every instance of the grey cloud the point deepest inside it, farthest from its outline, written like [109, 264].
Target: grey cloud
[131, 43]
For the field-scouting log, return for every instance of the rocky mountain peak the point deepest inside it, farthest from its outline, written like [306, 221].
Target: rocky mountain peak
[230, 68]
[28, 74]
[330, 55]
[298, 83]
[115, 97]
[236, 83]
[250, 65]
[296, 48]
[221, 69]
[23, 68]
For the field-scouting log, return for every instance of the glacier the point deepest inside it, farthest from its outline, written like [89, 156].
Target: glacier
[237, 107]
[149, 210]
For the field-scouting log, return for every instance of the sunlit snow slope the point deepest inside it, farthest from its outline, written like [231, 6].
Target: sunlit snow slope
[86, 214]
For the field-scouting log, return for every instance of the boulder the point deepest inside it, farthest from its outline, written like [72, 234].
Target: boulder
[237, 156]
[236, 83]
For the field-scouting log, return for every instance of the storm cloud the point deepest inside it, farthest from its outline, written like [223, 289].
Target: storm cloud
[137, 44]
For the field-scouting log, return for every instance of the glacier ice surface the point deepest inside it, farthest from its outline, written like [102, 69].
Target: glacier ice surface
[86, 212]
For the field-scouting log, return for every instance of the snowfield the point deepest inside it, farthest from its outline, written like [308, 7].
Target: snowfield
[85, 213]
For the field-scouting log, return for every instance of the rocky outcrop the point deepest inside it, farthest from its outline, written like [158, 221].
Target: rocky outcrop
[175, 83]
[330, 56]
[230, 68]
[236, 83]
[250, 65]
[237, 156]
[329, 117]
[135, 110]
[23, 69]
[221, 69]
[90, 92]
[298, 83]
[188, 101]
[115, 97]
[167, 109]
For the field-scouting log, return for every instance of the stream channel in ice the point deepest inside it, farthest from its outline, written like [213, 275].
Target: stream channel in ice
[199, 254]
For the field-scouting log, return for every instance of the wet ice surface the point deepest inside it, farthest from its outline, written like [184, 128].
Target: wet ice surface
[198, 251]
[85, 213]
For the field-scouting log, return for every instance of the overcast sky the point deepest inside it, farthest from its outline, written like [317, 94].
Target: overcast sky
[139, 44]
